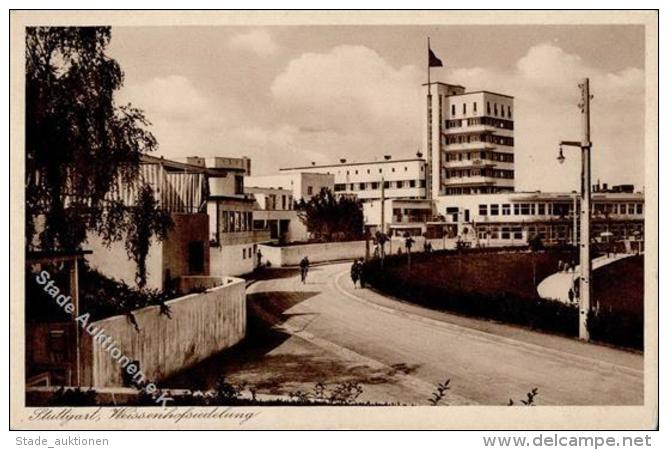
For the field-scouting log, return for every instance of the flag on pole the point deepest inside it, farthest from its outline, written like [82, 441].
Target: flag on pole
[433, 60]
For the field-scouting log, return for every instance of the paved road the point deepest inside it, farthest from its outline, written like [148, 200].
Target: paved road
[557, 285]
[327, 331]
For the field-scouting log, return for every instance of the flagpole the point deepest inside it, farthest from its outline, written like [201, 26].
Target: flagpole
[428, 173]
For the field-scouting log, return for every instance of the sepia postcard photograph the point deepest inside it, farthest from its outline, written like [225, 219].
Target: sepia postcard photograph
[333, 220]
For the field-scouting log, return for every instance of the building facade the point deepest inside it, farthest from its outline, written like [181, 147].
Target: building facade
[303, 185]
[469, 141]
[400, 178]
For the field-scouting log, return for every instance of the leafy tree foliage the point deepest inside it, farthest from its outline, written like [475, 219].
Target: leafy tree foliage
[145, 220]
[78, 141]
[332, 218]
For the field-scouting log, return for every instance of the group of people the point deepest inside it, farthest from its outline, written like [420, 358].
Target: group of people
[357, 272]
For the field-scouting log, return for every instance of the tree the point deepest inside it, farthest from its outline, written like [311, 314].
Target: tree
[145, 220]
[332, 218]
[409, 241]
[79, 143]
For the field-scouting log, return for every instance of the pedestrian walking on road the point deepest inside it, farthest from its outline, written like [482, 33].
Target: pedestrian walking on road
[355, 272]
[303, 267]
[360, 272]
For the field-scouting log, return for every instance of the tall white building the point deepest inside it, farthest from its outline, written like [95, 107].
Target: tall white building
[469, 141]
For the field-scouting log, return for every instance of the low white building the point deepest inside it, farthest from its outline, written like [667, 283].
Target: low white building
[401, 178]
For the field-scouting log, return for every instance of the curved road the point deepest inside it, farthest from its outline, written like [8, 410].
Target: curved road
[327, 331]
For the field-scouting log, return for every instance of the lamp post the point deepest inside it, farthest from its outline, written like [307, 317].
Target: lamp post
[585, 209]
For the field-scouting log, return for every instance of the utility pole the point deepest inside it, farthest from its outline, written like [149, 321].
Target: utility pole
[585, 222]
[382, 205]
[585, 207]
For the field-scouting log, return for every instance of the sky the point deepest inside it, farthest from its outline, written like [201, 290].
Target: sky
[289, 95]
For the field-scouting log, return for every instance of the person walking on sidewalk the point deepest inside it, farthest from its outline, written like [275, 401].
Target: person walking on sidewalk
[303, 267]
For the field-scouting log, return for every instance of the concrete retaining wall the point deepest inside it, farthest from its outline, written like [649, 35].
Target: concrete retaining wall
[201, 325]
[291, 255]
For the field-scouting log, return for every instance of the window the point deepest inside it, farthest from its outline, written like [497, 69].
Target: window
[622, 208]
[368, 171]
[411, 183]
[362, 186]
[475, 106]
[309, 190]
[509, 113]
[482, 210]
[464, 109]
[525, 209]
[496, 109]
[541, 209]
[356, 172]
[489, 109]
[238, 184]
[195, 257]
[503, 111]
[392, 169]
[639, 208]
[453, 110]
[374, 185]
[494, 210]
[505, 209]
[400, 184]
[405, 169]
[516, 209]
[244, 253]
[386, 185]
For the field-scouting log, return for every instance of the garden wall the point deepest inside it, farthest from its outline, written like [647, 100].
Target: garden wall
[200, 326]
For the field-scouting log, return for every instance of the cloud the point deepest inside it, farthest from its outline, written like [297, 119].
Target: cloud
[349, 101]
[259, 42]
[544, 83]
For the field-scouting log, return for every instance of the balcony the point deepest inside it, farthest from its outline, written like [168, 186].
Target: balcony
[476, 180]
[244, 237]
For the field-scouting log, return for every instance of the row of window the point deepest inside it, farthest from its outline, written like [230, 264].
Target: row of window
[468, 190]
[493, 173]
[492, 109]
[618, 208]
[478, 137]
[490, 121]
[340, 187]
[479, 155]
[271, 202]
[380, 170]
[247, 252]
[554, 232]
[235, 221]
[555, 209]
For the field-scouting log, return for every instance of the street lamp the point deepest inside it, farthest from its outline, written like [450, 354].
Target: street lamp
[585, 210]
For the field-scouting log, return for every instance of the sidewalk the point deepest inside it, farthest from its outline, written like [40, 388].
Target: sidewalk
[556, 286]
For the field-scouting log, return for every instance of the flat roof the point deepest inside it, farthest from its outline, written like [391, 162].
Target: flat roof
[482, 92]
[384, 161]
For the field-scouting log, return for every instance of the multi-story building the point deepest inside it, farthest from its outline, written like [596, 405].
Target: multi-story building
[514, 218]
[233, 238]
[274, 211]
[469, 141]
[401, 178]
